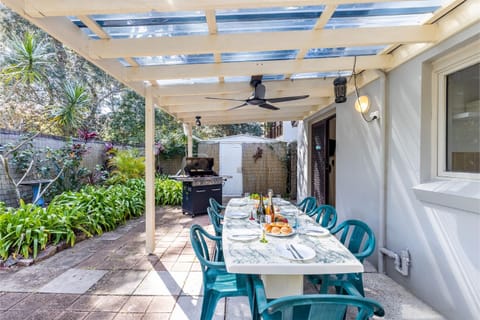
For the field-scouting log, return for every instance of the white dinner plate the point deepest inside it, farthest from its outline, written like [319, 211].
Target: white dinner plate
[316, 231]
[243, 237]
[238, 215]
[306, 252]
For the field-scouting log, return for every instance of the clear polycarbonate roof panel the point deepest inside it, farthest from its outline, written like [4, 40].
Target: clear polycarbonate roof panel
[383, 14]
[343, 52]
[311, 75]
[267, 20]
[186, 81]
[259, 56]
[152, 24]
[176, 59]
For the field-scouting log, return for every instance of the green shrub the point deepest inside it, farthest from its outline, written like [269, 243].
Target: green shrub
[91, 211]
[27, 229]
[126, 164]
[168, 192]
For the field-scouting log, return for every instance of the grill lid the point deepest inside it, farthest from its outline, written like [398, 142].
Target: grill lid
[199, 166]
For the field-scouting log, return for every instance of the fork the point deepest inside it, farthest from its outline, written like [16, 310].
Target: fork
[291, 251]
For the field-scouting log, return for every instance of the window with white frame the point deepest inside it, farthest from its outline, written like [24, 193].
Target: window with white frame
[456, 87]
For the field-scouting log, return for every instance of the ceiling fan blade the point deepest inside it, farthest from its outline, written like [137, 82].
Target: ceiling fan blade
[268, 106]
[283, 99]
[242, 105]
[212, 98]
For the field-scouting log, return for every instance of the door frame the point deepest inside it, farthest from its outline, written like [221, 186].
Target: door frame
[309, 123]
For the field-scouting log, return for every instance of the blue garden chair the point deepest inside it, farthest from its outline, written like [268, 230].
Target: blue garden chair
[216, 220]
[314, 306]
[308, 205]
[360, 240]
[216, 205]
[326, 216]
[217, 282]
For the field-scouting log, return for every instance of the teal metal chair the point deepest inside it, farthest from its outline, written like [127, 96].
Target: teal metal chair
[217, 282]
[326, 216]
[360, 240]
[216, 220]
[308, 205]
[216, 205]
[315, 306]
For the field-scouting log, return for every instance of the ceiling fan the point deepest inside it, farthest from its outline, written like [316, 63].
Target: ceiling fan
[258, 97]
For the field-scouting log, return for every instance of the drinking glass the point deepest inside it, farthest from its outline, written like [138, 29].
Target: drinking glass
[263, 223]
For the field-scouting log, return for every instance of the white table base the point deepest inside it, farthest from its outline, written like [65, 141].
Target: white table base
[281, 285]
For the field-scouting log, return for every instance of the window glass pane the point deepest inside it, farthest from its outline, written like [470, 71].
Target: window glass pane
[463, 120]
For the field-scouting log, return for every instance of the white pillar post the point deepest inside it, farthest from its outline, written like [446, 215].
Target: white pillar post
[187, 129]
[149, 170]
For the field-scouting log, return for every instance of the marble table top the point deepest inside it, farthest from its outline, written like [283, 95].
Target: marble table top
[244, 255]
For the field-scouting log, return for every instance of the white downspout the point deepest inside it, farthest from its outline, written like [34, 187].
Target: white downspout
[383, 170]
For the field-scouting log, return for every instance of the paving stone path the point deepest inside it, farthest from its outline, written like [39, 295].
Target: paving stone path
[111, 277]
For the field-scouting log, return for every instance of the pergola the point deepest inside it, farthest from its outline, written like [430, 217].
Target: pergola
[175, 53]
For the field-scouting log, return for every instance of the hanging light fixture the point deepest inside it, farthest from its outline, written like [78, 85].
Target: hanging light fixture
[197, 121]
[362, 104]
[340, 86]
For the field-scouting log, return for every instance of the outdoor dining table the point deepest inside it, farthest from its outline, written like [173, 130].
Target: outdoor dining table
[281, 269]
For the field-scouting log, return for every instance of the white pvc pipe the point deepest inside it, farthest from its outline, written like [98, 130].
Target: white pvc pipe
[149, 170]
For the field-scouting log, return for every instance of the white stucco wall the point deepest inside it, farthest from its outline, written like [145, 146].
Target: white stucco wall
[443, 241]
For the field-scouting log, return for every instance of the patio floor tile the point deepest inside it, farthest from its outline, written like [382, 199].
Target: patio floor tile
[109, 303]
[119, 282]
[237, 308]
[128, 316]
[162, 283]
[72, 315]
[156, 316]
[74, 281]
[137, 304]
[101, 316]
[190, 307]
[162, 304]
[84, 303]
[9, 299]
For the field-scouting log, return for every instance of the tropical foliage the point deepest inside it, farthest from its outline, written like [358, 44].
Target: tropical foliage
[91, 211]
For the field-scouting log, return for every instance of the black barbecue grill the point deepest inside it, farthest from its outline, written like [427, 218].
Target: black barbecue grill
[199, 184]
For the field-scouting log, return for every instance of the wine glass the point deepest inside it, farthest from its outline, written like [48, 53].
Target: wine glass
[263, 223]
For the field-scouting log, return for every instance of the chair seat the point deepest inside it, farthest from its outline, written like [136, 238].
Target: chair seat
[225, 282]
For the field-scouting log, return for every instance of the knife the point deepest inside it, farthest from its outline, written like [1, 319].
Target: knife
[296, 251]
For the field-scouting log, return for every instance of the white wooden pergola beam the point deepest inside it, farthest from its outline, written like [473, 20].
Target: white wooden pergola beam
[45, 8]
[262, 41]
[200, 103]
[189, 71]
[183, 111]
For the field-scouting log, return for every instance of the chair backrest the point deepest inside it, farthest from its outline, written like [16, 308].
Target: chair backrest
[216, 220]
[314, 306]
[357, 237]
[215, 205]
[326, 216]
[201, 241]
[308, 205]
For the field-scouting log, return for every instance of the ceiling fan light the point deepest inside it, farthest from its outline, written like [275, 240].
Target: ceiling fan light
[362, 104]
[340, 87]
[197, 121]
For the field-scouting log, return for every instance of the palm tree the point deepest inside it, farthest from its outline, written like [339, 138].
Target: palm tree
[27, 61]
[70, 115]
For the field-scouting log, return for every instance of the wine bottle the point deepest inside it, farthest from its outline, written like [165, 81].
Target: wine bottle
[261, 210]
[270, 204]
